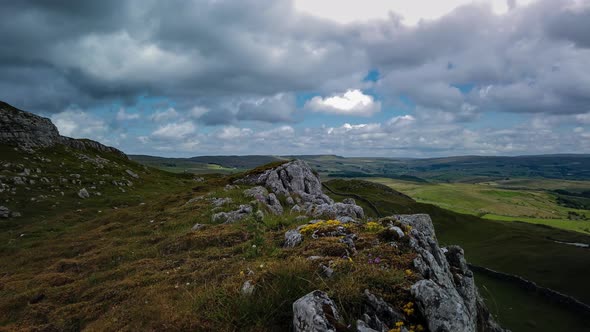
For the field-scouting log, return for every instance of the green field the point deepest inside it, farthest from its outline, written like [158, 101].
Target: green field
[498, 201]
[510, 247]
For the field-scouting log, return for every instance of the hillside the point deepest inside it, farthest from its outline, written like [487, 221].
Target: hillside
[450, 169]
[91, 240]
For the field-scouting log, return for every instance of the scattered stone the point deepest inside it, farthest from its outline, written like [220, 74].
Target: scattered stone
[315, 312]
[248, 288]
[217, 202]
[196, 227]
[233, 216]
[327, 271]
[193, 200]
[132, 174]
[4, 212]
[229, 187]
[83, 193]
[292, 238]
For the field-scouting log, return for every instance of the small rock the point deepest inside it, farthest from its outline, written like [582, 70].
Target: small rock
[83, 193]
[398, 231]
[233, 216]
[217, 202]
[292, 238]
[132, 174]
[247, 288]
[196, 227]
[4, 212]
[327, 271]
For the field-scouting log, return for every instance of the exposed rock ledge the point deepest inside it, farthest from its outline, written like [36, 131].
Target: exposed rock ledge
[29, 131]
[447, 296]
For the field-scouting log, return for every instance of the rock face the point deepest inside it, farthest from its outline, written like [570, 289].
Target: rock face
[447, 296]
[301, 188]
[315, 312]
[29, 131]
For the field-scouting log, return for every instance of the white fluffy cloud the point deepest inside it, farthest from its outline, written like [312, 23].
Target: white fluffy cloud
[79, 124]
[352, 102]
[174, 131]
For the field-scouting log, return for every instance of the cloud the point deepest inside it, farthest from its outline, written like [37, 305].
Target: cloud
[167, 115]
[277, 108]
[352, 102]
[251, 64]
[174, 131]
[78, 124]
[122, 115]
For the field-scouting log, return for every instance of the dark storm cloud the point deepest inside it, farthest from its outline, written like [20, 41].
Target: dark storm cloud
[87, 53]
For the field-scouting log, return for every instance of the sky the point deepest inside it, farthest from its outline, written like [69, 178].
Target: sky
[388, 78]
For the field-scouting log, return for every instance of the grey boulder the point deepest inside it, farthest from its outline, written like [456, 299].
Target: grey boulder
[315, 312]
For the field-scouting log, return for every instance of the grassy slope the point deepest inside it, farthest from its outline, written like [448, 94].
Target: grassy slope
[491, 200]
[139, 267]
[510, 247]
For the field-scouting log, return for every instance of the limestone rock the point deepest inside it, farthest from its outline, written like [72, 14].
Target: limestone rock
[217, 202]
[292, 238]
[247, 288]
[197, 227]
[233, 216]
[269, 200]
[378, 314]
[447, 296]
[83, 193]
[292, 177]
[132, 174]
[29, 131]
[4, 212]
[333, 211]
[315, 312]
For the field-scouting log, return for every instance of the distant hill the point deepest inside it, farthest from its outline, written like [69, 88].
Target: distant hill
[448, 169]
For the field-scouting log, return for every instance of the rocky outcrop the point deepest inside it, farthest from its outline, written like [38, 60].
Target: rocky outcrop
[29, 131]
[447, 296]
[301, 187]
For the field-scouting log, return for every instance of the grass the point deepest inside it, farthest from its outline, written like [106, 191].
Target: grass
[512, 247]
[523, 311]
[140, 267]
[492, 201]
